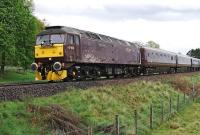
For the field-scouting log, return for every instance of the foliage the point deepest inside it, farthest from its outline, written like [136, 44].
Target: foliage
[153, 44]
[18, 28]
[194, 53]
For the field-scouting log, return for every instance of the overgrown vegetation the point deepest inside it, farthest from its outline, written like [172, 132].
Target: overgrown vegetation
[15, 120]
[185, 123]
[94, 106]
[13, 76]
[18, 28]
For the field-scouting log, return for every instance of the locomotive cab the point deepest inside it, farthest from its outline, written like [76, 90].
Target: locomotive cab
[55, 50]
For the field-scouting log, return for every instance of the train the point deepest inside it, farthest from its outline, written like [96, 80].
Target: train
[65, 53]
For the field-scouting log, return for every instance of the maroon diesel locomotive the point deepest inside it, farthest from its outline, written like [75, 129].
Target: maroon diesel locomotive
[64, 53]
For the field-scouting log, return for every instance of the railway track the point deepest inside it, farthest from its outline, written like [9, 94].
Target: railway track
[19, 91]
[21, 84]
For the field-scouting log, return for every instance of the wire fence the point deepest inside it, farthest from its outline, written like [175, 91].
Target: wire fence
[144, 120]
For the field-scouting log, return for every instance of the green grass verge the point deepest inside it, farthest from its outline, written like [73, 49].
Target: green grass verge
[185, 123]
[95, 106]
[13, 76]
[15, 120]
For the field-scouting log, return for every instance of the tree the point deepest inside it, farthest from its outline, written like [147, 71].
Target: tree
[7, 30]
[18, 28]
[194, 53]
[153, 44]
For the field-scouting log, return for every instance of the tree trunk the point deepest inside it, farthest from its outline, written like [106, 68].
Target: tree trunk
[3, 60]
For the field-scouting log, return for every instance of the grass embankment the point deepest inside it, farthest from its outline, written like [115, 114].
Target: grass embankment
[185, 123]
[95, 106]
[15, 75]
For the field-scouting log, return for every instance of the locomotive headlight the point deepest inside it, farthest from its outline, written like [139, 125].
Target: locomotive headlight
[34, 66]
[57, 66]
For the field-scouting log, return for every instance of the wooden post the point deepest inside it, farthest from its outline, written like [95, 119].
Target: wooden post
[177, 107]
[117, 125]
[193, 92]
[5, 98]
[151, 117]
[162, 112]
[170, 105]
[136, 118]
[184, 98]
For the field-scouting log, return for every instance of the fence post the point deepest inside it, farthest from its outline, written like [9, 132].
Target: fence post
[170, 105]
[89, 130]
[193, 93]
[177, 103]
[184, 98]
[5, 99]
[162, 112]
[136, 124]
[117, 125]
[151, 117]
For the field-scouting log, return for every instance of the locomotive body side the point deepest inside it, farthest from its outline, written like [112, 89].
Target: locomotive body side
[109, 52]
[82, 54]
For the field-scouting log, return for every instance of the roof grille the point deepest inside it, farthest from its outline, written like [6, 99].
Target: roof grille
[53, 27]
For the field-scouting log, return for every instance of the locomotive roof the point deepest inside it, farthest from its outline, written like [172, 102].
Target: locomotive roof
[83, 33]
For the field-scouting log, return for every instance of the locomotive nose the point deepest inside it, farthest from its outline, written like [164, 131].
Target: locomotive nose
[57, 66]
[34, 66]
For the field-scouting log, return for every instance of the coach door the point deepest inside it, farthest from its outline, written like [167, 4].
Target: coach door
[73, 47]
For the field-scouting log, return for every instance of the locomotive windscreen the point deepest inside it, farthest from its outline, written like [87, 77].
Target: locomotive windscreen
[54, 38]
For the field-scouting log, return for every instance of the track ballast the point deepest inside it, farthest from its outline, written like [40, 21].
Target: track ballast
[41, 89]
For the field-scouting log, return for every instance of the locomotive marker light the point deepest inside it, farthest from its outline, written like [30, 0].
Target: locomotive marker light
[57, 66]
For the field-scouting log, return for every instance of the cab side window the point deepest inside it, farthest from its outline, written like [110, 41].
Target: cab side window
[70, 39]
[73, 39]
[76, 39]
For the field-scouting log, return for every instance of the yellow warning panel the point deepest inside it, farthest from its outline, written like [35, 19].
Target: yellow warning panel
[56, 50]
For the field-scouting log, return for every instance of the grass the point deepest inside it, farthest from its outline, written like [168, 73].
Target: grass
[188, 123]
[95, 106]
[15, 120]
[12, 75]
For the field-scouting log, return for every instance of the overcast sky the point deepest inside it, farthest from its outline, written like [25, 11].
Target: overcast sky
[174, 24]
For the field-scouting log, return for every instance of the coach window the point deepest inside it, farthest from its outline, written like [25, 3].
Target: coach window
[77, 39]
[171, 57]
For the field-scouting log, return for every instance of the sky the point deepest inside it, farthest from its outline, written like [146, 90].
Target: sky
[173, 24]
